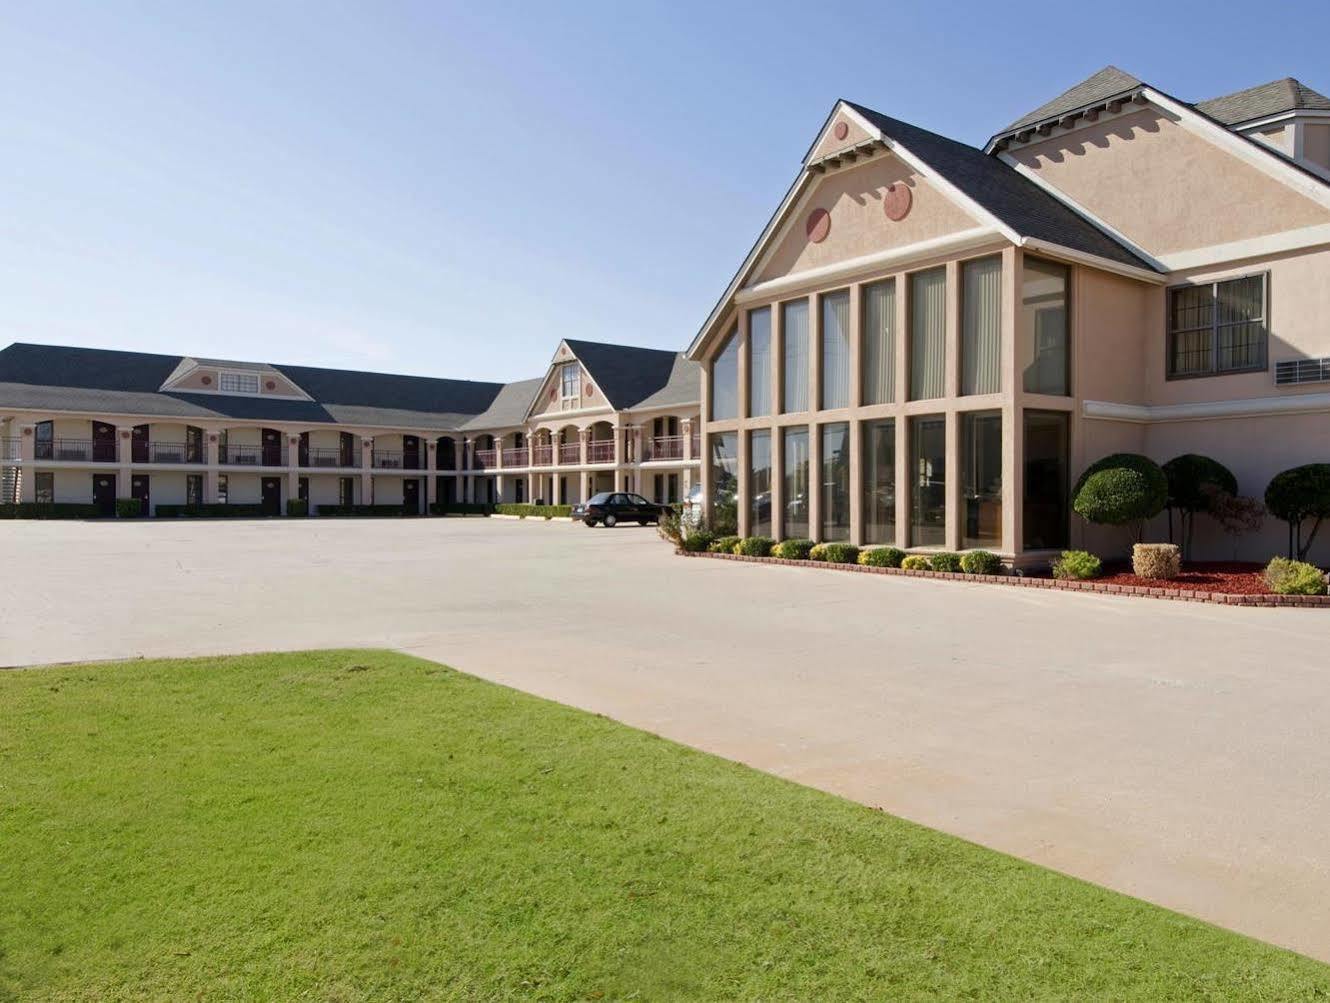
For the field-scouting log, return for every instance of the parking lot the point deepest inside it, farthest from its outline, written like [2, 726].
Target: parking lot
[1172, 751]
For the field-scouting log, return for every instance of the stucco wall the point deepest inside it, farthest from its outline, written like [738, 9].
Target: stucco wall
[830, 143]
[1165, 187]
[1316, 144]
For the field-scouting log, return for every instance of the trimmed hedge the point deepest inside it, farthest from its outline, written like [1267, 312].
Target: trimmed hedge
[49, 510]
[724, 544]
[128, 508]
[454, 508]
[792, 550]
[916, 562]
[881, 557]
[697, 542]
[945, 561]
[981, 562]
[363, 510]
[213, 511]
[1077, 565]
[523, 511]
[835, 553]
[1156, 560]
[1121, 489]
[755, 546]
[297, 507]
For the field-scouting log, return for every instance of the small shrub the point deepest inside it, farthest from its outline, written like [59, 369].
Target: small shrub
[840, 553]
[697, 542]
[818, 552]
[981, 562]
[1156, 560]
[881, 557]
[670, 526]
[522, 510]
[1294, 578]
[945, 562]
[297, 507]
[1077, 565]
[792, 550]
[128, 508]
[916, 562]
[755, 546]
[724, 544]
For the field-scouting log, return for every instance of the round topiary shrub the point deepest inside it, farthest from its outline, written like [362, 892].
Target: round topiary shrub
[881, 557]
[916, 562]
[945, 561]
[792, 550]
[1077, 565]
[1297, 495]
[1194, 484]
[1120, 490]
[755, 546]
[1294, 578]
[981, 562]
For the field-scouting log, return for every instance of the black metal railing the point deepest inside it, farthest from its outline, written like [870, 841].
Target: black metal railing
[76, 450]
[329, 456]
[168, 452]
[251, 456]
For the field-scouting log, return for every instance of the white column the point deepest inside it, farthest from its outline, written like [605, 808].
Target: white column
[212, 456]
[124, 438]
[366, 471]
[431, 474]
[292, 466]
[27, 456]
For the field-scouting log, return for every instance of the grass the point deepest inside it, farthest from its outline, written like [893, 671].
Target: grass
[347, 825]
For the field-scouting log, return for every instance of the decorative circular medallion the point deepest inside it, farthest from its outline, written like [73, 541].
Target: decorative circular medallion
[206, 380]
[842, 130]
[27, 431]
[590, 390]
[270, 385]
[553, 393]
[818, 225]
[124, 433]
[212, 438]
[896, 203]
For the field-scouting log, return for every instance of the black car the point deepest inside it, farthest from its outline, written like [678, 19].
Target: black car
[611, 507]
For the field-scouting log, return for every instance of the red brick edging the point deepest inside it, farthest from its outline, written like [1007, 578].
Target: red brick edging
[1149, 592]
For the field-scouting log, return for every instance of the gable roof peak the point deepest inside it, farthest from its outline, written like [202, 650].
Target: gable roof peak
[1100, 86]
[1274, 98]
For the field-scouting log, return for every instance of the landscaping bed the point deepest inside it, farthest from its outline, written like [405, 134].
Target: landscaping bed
[1226, 577]
[365, 825]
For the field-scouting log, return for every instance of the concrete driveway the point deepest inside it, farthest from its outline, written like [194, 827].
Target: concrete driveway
[1175, 752]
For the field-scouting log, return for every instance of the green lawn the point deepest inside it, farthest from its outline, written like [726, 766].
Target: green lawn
[345, 825]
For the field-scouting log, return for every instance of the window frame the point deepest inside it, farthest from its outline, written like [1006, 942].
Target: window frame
[38, 478]
[1214, 284]
[565, 384]
[224, 375]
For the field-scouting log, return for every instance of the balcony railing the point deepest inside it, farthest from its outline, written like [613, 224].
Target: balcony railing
[11, 449]
[251, 456]
[167, 452]
[329, 456]
[482, 459]
[570, 452]
[542, 456]
[664, 447]
[386, 459]
[515, 457]
[600, 451]
[77, 450]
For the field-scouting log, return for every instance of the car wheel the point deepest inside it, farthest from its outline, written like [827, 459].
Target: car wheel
[591, 523]
[610, 520]
[643, 522]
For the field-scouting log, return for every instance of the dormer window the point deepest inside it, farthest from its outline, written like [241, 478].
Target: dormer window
[570, 385]
[238, 383]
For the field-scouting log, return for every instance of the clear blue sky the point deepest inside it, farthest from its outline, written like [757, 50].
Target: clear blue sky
[448, 189]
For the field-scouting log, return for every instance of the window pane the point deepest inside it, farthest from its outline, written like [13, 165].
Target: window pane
[759, 483]
[795, 488]
[879, 343]
[879, 481]
[1191, 330]
[981, 326]
[794, 333]
[928, 481]
[836, 350]
[836, 481]
[725, 482]
[928, 333]
[1046, 489]
[759, 362]
[725, 381]
[981, 457]
[1240, 312]
[1043, 327]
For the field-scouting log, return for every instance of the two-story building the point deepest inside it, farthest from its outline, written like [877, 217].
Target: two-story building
[90, 426]
[929, 341]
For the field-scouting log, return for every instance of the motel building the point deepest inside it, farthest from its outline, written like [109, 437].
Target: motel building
[88, 426]
[929, 341]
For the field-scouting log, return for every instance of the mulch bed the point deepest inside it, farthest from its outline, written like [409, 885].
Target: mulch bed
[1229, 577]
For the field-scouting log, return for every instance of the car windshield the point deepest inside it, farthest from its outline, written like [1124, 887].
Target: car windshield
[599, 499]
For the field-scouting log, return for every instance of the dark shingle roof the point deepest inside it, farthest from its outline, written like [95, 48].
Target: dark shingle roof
[1012, 198]
[1108, 82]
[509, 407]
[1273, 98]
[629, 376]
[90, 379]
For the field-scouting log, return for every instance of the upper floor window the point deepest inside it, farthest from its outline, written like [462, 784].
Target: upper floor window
[759, 362]
[835, 350]
[1217, 327]
[928, 334]
[570, 384]
[238, 383]
[794, 342]
[725, 380]
[1042, 340]
[981, 326]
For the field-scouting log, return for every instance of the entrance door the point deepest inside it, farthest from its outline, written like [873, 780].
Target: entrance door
[411, 452]
[103, 443]
[139, 444]
[272, 447]
[103, 493]
[411, 496]
[272, 496]
[138, 488]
